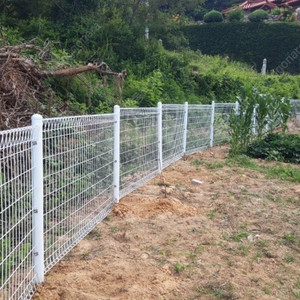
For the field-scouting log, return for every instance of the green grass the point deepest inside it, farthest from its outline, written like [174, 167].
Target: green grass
[239, 236]
[282, 172]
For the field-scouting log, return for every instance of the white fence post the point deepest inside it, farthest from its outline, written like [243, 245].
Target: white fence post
[116, 153]
[254, 121]
[212, 121]
[159, 135]
[37, 199]
[236, 107]
[185, 123]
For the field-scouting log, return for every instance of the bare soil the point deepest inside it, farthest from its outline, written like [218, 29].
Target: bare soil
[235, 236]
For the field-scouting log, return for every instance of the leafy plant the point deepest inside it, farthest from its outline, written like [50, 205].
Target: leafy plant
[213, 16]
[277, 146]
[241, 122]
[258, 16]
[236, 15]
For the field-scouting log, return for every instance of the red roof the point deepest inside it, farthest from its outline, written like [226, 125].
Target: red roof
[290, 2]
[254, 4]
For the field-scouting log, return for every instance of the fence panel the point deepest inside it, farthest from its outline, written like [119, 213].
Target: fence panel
[17, 280]
[78, 180]
[221, 124]
[138, 147]
[198, 128]
[295, 103]
[172, 132]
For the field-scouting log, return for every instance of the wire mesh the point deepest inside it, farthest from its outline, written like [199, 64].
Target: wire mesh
[198, 127]
[16, 264]
[221, 123]
[138, 147]
[295, 107]
[78, 180]
[172, 132]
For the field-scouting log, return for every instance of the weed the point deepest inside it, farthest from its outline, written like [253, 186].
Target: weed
[289, 258]
[201, 248]
[296, 294]
[262, 243]
[258, 255]
[239, 236]
[242, 161]
[219, 291]
[212, 214]
[267, 290]
[214, 165]
[192, 255]
[197, 162]
[244, 250]
[113, 229]
[94, 235]
[179, 267]
[289, 239]
[85, 255]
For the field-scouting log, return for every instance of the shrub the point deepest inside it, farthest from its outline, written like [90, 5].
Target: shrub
[213, 16]
[235, 15]
[277, 146]
[258, 16]
[276, 11]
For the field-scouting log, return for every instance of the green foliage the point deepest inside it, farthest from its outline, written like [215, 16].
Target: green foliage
[282, 172]
[241, 122]
[270, 112]
[236, 15]
[213, 16]
[276, 146]
[249, 42]
[275, 12]
[258, 16]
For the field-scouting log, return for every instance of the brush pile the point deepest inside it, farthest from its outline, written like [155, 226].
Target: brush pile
[23, 90]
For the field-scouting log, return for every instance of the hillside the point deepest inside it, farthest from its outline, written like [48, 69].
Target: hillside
[72, 34]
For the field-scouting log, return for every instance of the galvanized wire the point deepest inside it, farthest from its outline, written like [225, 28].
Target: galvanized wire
[78, 176]
[16, 252]
[221, 123]
[172, 132]
[138, 147]
[78, 180]
[198, 127]
[295, 104]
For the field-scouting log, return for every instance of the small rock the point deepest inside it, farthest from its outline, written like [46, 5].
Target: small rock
[197, 182]
[250, 238]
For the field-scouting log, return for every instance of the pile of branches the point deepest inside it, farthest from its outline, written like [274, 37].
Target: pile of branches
[23, 87]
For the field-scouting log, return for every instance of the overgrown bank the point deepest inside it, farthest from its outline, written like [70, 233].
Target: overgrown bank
[250, 43]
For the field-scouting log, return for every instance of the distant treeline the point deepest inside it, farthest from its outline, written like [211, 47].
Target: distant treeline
[250, 43]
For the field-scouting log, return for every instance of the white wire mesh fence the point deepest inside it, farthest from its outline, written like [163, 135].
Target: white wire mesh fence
[60, 179]
[138, 147]
[198, 127]
[172, 133]
[221, 122]
[16, 251]
[78, 180]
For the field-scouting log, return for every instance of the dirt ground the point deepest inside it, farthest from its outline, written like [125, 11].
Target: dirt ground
[233, 236]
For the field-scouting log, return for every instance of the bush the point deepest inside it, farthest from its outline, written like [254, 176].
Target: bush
[235, 15]
[258, 16]
[213, 17]
[277, 146]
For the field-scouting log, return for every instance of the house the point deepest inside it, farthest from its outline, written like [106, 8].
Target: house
[251, 5]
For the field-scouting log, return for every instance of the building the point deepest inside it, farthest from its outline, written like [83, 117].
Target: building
[251, 5]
